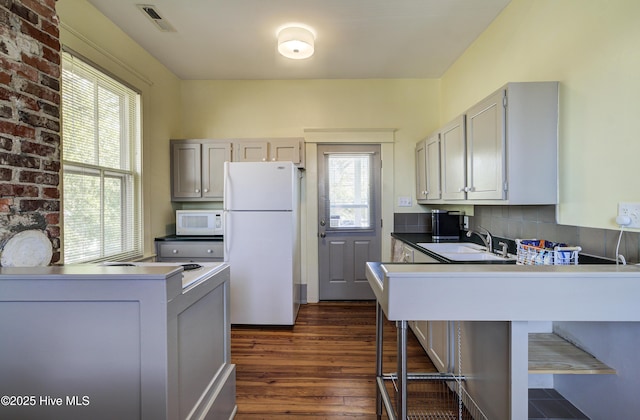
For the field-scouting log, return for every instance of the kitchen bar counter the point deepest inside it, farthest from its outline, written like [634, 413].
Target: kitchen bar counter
[105, 342]
[496, 361]
[500, 292]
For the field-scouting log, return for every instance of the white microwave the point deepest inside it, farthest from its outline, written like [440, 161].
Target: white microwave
[199, 222]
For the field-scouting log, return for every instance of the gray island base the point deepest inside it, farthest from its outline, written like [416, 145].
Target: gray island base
[96, 342]
[496, 307]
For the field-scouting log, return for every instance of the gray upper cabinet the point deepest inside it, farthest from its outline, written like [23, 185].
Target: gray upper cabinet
[421, 170]
[504, 149]
[428, 169]
[485, 149]
[197, 169]
[270, 150]
[453, 159]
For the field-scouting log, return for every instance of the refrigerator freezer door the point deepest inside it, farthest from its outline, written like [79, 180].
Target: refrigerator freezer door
[265, 275]
[260, 186]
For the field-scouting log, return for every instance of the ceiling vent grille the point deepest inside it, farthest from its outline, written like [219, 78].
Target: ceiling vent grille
[154, 16]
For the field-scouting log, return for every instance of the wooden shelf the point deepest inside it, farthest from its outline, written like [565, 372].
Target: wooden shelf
[550, 353]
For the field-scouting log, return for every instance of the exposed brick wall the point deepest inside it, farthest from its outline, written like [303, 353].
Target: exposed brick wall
[30, 119]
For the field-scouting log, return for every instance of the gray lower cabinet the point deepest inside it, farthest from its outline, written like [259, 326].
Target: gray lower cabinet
[189, 251]
[434, 336]
[103, 343]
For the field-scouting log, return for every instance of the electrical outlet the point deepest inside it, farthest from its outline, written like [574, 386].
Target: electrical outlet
[633, 211]
[404, 201]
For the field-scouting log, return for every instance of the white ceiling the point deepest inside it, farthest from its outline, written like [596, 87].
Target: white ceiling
[356, 39]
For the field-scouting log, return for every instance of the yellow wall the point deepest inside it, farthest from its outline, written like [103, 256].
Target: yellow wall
[89, 33]
[284, 108]
[593, 48]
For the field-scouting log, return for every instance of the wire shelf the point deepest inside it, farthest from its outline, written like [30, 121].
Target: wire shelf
[435, 397]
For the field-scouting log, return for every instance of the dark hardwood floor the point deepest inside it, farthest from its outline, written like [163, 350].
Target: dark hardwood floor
[322, 368]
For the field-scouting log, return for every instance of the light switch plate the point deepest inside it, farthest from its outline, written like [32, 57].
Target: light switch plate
[404, 201]
[633, 211]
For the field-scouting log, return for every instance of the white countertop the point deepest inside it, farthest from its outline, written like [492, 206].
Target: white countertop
[506, 292]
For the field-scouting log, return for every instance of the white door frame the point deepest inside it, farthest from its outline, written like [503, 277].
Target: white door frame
[309, 209]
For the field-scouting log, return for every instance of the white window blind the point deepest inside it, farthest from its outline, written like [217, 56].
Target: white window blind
[101, 165]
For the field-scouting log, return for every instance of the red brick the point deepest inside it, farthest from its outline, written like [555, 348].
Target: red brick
[39, 205]
[24, 12]
[8, 127]
[6, 111]
[5, 205]
[43, 65]
[50, 193]
[40, 178]
[32, 148]
[51, 165]
[50, 28]
[19, 160]
[41, 9]
[50, 138]
[5, 78]
[20, 190]
[6, 143]
[53, 231]
[52, 218]
[40, 36]
[51, 55]
[6, 174]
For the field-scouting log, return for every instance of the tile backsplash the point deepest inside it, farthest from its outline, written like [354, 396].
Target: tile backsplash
[538, 222]
[528, 222]
[412, 222]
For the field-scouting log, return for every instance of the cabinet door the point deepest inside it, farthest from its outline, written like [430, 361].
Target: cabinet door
[485, 149]
[251, 151]
[421, 170]
[453, 161]
[186, 170]
[438, 344]
[285, 151]
[433, 167]
[213, 157]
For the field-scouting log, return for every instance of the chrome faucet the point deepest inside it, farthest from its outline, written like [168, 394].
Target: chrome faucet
[487, 240]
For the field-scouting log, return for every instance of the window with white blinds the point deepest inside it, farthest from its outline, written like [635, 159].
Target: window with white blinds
[349, 185]
[100, 165]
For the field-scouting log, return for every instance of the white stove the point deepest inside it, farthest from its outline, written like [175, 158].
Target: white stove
[192, 272]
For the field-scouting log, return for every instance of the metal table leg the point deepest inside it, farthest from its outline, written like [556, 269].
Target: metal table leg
[379, 335]
[401, 403]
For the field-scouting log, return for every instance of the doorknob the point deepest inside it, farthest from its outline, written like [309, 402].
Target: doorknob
[322, 222]
[322, 234]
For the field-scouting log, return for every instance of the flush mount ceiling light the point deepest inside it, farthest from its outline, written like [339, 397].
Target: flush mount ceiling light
[296, 42]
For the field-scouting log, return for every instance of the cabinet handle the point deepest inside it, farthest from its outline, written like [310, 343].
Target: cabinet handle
[206, 190]
[464, 189]
[209, 251]
[273, 159]
[175, 251]
[264, 159]
[197, 190]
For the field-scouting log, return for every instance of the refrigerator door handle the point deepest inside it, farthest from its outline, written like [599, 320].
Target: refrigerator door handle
[226, 238]
[226, 190]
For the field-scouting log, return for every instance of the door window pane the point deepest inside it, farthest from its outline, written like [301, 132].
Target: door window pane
[349, 191]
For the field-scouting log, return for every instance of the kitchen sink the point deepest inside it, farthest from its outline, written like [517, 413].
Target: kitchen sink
[480, 256]
[462, 251]
[452, 247]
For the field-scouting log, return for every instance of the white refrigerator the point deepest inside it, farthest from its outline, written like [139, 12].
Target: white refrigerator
[262, 241]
